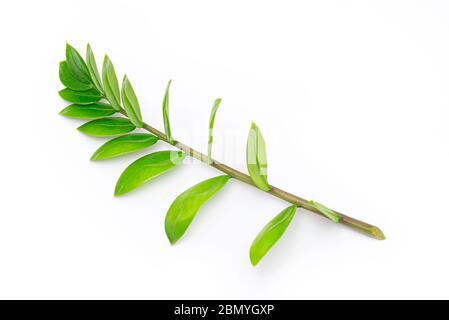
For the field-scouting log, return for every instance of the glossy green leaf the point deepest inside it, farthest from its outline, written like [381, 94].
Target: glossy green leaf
[80, 97]
[77, 65]
[87, 111]
[213, 112]
[110, 84]
[124, 145]
[69, 80]
[146, 169]
[106, 127]
[270, 234]
[130, 103]
[256, 158]
[165, 113]
[185, 207]
[93, 69]
[331, 214]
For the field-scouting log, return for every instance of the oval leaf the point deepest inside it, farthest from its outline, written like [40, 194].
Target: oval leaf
[88, 111]
[329, 213]
[130, 103]
[165, 113]
[69, 80]
[147, 168]
[80, 97]
[77, 65]
[110, 84]
[93, 70]
[213, 112]
[256, 158]
[106, 127]
[124, 145]
[186, 205]
[270, 234]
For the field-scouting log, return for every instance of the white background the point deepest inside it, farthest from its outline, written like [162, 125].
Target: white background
[351, 96]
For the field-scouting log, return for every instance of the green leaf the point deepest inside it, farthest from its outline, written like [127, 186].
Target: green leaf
[93, 70]
[130, 103]
[69, 80]
[331, 214]
[110, 83]
[186, 205]
[80, 97]
[270, 234]
[106, 127]
[256, 158]
[146, 169]
[165, 113]
[77, 65]
[124, 145]
[88, 111]
[213, 112]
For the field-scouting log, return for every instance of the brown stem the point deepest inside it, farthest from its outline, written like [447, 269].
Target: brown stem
[355, 224]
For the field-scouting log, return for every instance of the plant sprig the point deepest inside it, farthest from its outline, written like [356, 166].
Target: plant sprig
[100, 98]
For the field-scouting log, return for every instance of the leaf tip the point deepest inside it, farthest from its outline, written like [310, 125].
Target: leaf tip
[117, 192]
[172, 240]
[254, 260]
[169, 232]
[68, 48]
[106, 59]
[119, 188]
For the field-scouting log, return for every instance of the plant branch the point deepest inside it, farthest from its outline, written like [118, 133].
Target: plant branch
[355, 224]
